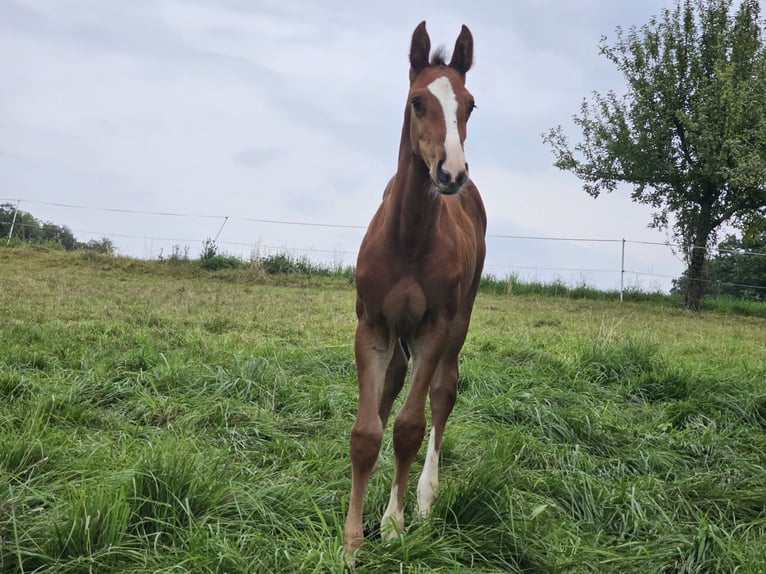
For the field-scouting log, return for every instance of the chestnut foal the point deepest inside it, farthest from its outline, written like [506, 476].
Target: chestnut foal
[417, 275]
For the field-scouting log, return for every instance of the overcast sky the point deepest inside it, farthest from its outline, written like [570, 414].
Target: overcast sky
[291, 111]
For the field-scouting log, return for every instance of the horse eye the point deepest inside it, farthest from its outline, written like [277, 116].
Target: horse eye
[418, 107]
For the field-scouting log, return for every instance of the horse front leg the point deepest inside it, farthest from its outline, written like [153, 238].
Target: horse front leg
[373, 351]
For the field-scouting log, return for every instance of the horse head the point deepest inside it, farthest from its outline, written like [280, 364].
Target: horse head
[439, 106]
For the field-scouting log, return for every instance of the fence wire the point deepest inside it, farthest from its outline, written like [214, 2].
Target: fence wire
[225, 218]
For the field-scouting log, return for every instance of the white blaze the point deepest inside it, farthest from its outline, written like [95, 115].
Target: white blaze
[455, 161]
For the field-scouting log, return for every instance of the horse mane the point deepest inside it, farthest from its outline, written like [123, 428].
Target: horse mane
[439, 57]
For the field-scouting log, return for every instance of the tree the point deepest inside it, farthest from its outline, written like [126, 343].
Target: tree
[24, 226]
[690, 133]
[60, 234]
[103, 245]
[27, 228]
[738, 269]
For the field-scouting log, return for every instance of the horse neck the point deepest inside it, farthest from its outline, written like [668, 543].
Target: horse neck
[415, 207]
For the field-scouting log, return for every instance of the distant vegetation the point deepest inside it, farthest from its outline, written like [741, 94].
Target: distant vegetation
[737, 275]
[284, 263]
[723, 303]
[738, 269]
[20, 226]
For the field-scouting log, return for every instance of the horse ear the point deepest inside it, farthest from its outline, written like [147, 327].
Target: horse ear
[419, 50]
[462, 55]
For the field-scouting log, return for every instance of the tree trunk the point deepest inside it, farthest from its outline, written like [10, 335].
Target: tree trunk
[695, 278]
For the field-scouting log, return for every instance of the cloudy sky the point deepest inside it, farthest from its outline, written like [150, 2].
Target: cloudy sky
[290, 111]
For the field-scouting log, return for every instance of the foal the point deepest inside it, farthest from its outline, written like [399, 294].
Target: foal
[417, 275]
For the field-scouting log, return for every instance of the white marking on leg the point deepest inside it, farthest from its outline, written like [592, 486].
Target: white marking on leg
[455, 156]
[428, 483]
[392, 522]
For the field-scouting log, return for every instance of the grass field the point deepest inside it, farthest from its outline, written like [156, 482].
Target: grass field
[157, 417]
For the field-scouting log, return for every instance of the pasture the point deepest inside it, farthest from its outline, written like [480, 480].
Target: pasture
[157, 417]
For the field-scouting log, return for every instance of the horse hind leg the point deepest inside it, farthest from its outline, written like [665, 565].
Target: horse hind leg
[409, 428]
[443, 395]
[395, 375]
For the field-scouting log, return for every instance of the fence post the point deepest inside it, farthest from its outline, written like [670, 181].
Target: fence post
[225, 219]
[622, 270]
[13, 221]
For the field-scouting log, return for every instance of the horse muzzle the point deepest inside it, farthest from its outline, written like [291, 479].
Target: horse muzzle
[449, 182]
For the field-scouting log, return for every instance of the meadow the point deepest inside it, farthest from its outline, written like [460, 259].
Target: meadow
[162, 417]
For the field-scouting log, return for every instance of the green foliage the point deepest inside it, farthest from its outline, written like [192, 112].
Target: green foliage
[218, 262]
[690, 133]
[27, 229]
[209, 249]
[169, 490]
[287, 263]
[737, 272]
[94, 522]
[211, 260]
[281, 263]
[517, 286]
[739, 268]
[177, 255]
[103, 245]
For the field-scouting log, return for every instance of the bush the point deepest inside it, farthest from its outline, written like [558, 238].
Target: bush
[218, 262]
[284, 263]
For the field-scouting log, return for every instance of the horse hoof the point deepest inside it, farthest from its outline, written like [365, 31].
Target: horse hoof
[391, 527]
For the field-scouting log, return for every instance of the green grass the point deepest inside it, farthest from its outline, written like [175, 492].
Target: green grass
[161, 417]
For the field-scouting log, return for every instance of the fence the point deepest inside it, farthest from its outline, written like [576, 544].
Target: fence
[604, 263]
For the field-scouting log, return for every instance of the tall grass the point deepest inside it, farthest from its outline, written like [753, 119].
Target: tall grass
[286, 267]
[513, 284]
[158, 417]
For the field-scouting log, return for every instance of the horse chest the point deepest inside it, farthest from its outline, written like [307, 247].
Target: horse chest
[404, 302]
[404, 305]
